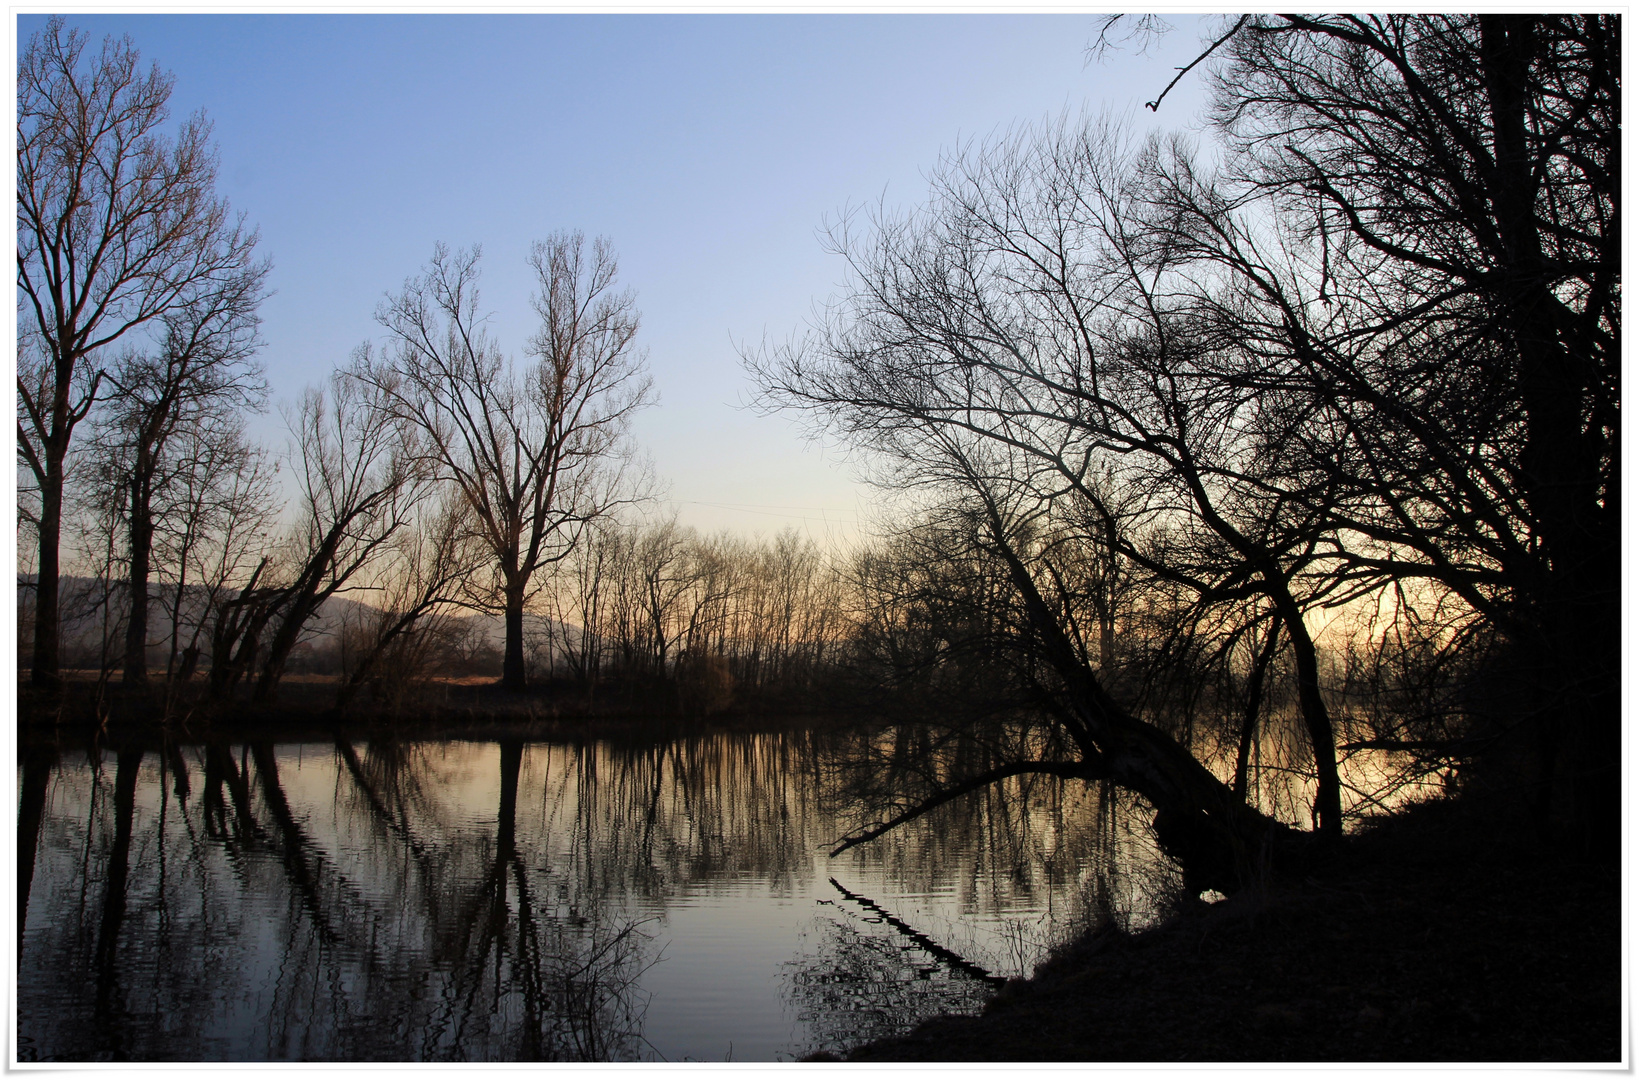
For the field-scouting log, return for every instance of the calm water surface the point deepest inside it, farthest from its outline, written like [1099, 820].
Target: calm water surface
[459, 900]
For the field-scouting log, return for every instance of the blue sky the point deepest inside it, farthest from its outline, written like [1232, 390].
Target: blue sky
[709, 148]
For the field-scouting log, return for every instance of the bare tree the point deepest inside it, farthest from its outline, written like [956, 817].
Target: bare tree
[534, 449]
[665, 578]
[116, 226]
[1006, 342]
[578, 599]
[1374, 352]
[213, 508]
[415, 592]
[358, 471]
[200, 373]
[362, 481]
[216, 524]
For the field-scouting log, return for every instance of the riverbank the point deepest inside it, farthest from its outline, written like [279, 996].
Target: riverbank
[477, 709]
[1442, 934]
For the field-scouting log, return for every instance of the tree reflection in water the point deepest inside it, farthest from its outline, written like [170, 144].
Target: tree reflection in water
[1042, 854]
[448, 901]
[856, 984]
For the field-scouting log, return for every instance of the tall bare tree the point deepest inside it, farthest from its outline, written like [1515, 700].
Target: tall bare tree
[200, 372]
[117, 224]
[535, 449]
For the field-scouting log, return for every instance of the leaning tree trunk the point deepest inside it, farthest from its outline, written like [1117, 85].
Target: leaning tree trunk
[234, 637]
[284, 640]
[306, 597]
[1220, 841]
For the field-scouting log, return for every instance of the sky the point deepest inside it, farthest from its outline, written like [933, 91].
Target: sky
[710, 149]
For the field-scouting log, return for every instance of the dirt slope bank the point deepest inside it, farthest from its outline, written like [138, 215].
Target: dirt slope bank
[1432, 938]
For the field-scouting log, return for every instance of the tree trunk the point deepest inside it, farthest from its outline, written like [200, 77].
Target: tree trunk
[1576, 600]
[512, 663]
[1254, 701]
[238, 623]
[1220, 841]
[278, 650]
[304, 598]
[301, 607]
[1328, 806]
[47, 607]
[234, 649]
[136, 624]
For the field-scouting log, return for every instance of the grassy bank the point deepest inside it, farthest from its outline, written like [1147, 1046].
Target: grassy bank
[1443, 934]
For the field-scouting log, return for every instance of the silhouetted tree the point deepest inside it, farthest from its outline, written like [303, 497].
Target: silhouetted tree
[1440, 304]
[359, 471]
[360, 482]
[535, 450]
[117, 225]
[1000, 345]
[199, 375]
[1375, 349]
[217, 522]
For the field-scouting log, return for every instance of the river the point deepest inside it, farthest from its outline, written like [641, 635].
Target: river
[450, 900]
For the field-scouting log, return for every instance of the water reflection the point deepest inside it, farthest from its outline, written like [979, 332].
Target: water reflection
[857, 984]
[463, 901]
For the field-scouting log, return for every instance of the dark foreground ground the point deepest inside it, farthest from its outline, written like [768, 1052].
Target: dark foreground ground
[1435, 936]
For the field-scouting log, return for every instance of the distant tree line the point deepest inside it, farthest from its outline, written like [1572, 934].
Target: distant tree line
[716, 612]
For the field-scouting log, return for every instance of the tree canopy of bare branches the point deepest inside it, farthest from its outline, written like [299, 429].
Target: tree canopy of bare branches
[1452, 184]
